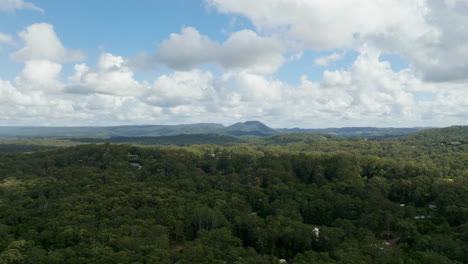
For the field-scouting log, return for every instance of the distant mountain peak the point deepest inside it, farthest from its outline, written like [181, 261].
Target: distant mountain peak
[254, 122]
[250, 128]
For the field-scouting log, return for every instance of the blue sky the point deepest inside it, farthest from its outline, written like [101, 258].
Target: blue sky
[97, 26]
[288, 63]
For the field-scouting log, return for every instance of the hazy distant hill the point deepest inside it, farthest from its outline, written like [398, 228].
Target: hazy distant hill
[250, 128]
[372, 132]
[146, 130]
[216, 139]
[167, 130]
[179, 140]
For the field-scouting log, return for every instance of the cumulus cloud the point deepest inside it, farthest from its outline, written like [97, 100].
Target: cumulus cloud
[246, 50]
[368, 93]
[11, 5]
[42, 107]
[187, 50]
[242, 50]
[443, 57]
[180, 88]
[13, 97]
[259, 89]
[40, 75]
[33, 107]
[430, 34]
[372, 82]
[324, 24]
[42, 43]
[318, 25]
[110, 76]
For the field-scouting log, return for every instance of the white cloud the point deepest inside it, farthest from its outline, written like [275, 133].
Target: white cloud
[258, 89]
[326, 60]
[40, 75]
[324, 24]
[11, 5]
[246, 50]
[445, 56]
[369, 93]
[180, 88]
[42, 43]
[12, 97]
[110, 76]
[101, 103]
[430, 34]
[187, 50]
[108, 61]
[242, 50]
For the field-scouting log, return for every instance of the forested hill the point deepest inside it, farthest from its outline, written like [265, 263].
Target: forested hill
[129, 131]
[111, 203]
[454, 135]
[215, 139]
[249, 128]
[370, 132]
[177, 140]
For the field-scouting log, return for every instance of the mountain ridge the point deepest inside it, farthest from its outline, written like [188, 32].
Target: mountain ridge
[247, 128]
[250, 128]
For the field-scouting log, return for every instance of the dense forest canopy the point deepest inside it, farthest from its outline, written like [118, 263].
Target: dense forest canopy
[300, 198]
